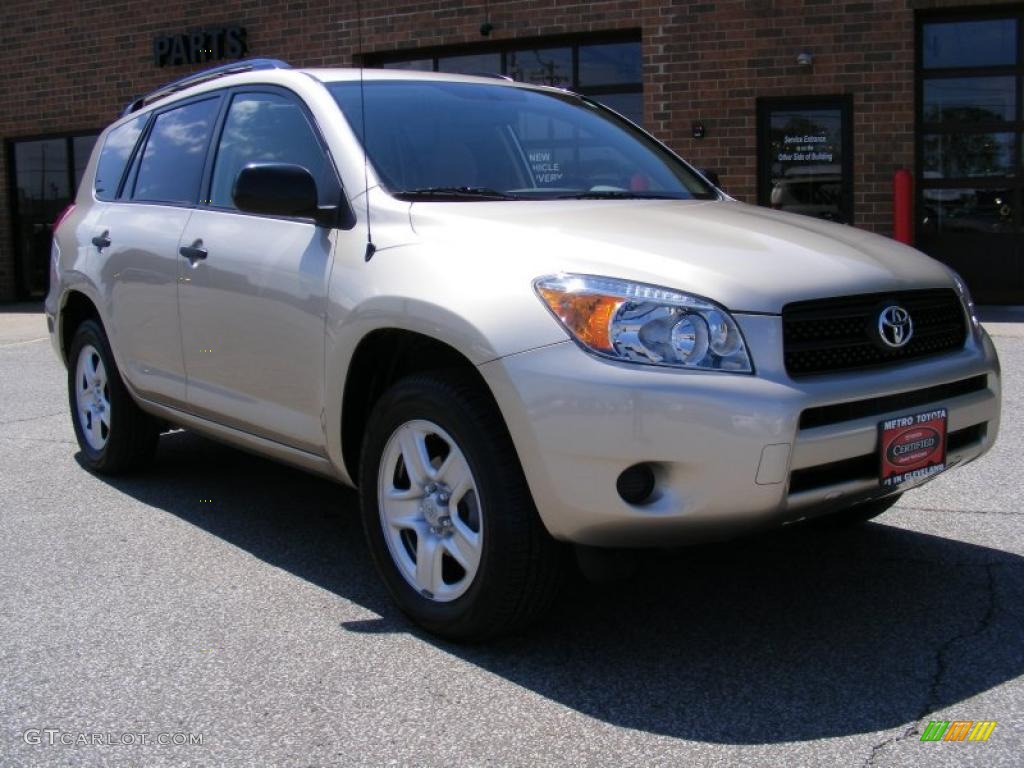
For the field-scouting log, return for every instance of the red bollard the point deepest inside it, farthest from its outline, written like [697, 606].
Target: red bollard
[903, 206]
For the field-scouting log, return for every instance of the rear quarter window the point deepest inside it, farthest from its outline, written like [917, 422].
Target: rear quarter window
[117, 150]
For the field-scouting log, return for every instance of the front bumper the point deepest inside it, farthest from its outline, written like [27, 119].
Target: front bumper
[729, 451]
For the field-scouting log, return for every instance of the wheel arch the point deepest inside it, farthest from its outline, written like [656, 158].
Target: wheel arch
[381, 358]
[75, 309]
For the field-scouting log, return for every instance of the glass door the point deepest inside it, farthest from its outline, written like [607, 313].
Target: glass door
[45, 173]
[804, 150]
[969, 129]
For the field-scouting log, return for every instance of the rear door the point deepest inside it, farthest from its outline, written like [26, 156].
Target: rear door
[142, 265]
[252, 305]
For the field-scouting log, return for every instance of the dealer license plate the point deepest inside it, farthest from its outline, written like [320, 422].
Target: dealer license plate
[913, 448]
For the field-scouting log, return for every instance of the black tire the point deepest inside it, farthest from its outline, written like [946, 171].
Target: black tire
[132, 436]
[858, 514]
[521, 566]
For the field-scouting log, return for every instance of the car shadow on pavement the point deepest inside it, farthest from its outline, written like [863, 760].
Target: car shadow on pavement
[799, 635]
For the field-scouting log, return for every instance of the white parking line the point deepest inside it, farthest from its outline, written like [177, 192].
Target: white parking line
[22, 343]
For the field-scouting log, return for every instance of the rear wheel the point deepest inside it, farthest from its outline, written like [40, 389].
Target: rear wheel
[449, 519]
[115, 435]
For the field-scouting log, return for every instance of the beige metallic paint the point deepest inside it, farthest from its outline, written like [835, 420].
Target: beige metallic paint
[462, 273]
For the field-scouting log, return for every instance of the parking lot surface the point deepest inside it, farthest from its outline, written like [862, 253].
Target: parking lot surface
[224, 599]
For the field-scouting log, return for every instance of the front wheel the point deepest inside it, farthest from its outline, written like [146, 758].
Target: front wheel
[448, 516]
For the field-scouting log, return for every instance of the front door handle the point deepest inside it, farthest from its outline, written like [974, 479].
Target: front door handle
[193, 252]
[102, 241]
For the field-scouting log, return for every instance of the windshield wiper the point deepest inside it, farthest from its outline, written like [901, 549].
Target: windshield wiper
[615, 194]
[453, 193]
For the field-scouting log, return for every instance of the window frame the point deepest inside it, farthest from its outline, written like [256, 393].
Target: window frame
[14, 231]
[844, 103]
[336, 193]
[1015, 126]
[126, 171]
[126, 194]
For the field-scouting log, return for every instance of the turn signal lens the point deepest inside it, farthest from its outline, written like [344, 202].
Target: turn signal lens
[587, 316]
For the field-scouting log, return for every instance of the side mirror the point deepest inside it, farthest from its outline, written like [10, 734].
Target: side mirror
[711, 176]
[280, 189]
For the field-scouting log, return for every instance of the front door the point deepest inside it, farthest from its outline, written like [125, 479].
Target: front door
[969, 141]
[252, 309]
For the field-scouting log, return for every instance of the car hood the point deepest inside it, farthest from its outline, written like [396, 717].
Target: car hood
[748, 258]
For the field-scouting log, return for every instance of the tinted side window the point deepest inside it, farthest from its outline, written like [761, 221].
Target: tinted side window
[264, 128]
[172, 162]
[117, 149]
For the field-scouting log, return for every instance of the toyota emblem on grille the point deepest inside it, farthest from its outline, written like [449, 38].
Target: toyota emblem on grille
[895, 326]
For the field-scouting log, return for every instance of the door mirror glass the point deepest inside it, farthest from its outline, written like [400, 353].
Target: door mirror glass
[275, 189]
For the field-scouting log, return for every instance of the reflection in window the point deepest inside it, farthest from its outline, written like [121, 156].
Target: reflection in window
[81, 150]
[806, 162]
[422, 135]
[474, 64]
[968, 155]
[417, 65]
[610, 72]
[967, 210]
[46, 174]
[172, 161]
[969, 43]
[548, 66]
[117, 149]
[610, 64]
[263, 128]
[629, 105]
[970, 99]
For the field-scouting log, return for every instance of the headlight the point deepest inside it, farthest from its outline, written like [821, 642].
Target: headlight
[966, 298]
[639, 323]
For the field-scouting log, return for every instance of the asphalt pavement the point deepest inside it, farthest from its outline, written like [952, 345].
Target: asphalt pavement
[220, 598]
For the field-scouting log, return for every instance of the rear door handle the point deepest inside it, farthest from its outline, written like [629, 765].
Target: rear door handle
[193, 252]
[102, 241]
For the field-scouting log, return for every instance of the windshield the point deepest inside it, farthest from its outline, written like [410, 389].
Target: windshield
[443, 140]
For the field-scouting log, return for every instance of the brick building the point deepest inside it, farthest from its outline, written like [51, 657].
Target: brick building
[807, 105]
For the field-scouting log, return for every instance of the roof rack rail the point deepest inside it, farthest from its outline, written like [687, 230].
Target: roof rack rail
[165, 90]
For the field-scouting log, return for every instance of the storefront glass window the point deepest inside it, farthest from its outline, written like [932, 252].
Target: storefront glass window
[475, 64]
[970, 136]
[968, 155]
[609, 71]
[610, 64]
[46, 174]
[542, 66]
[968, 211]
[970, 99]
[982, 43]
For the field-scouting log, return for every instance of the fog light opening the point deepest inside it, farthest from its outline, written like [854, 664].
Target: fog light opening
[636, 484]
